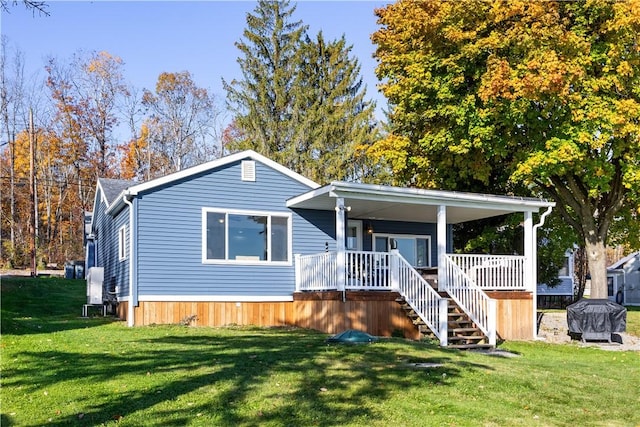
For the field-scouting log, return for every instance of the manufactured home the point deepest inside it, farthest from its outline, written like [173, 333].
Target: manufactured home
[243, 240]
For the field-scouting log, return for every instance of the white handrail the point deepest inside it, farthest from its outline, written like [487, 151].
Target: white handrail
[423, 299]
[368, 270]
[470, 298]
[492, 272]
[316, 272]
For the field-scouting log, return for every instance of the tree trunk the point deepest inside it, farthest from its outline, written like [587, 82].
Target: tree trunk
[581, 266]
[597, 258]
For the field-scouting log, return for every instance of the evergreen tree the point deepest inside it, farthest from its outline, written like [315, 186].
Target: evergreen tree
[301, 100]
[333, 120]
[263, 100]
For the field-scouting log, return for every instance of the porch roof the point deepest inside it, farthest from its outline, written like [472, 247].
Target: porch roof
[367, 201]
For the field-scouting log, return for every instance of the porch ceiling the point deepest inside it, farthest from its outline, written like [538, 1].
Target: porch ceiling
[366, 201]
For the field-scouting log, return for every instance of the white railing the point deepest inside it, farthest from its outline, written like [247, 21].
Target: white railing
[492, 272]
[464, 291]
[422, 298]
[317, 272]
[368, 271]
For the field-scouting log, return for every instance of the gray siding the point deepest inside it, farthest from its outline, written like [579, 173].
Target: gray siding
[169, 234]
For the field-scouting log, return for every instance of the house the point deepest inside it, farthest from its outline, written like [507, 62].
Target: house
[563, 293]
[623, 280]
[244, 240]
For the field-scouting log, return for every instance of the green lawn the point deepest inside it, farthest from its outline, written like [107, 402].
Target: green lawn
[59, 369]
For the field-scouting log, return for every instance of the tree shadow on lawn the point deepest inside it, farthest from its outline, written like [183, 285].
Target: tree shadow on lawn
[289, 377]
[44, 305]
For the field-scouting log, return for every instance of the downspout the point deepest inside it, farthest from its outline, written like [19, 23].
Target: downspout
[130, 306]
[534, 253]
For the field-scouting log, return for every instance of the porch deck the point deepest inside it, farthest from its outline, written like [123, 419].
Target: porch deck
[426, 293]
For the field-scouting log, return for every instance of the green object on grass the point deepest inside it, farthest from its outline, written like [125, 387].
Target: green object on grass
[352, 336]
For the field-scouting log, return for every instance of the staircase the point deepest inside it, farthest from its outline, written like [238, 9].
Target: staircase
[462, 333]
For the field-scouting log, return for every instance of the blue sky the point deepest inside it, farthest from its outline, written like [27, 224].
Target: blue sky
[154, 37]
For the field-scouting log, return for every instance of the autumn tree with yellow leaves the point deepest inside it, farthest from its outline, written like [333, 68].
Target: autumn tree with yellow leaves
[520, 97]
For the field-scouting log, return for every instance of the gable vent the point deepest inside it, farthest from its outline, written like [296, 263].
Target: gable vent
[248, 170]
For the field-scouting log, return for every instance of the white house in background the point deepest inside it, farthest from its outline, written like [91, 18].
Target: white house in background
[623, 280]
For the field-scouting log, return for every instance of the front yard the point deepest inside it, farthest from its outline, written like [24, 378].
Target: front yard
[59, 369]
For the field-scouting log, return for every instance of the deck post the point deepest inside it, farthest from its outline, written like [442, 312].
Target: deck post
[340, 243]
[298, 272]
[394, 273]
[443, 327]
[529, 262]
[492, 316]
[442, 247]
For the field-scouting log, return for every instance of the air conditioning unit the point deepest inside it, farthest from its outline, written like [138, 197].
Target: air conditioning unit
[95, 279]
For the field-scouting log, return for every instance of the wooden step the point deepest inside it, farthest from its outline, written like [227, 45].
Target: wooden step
[470, 346]
[466, 331]
[466, 338]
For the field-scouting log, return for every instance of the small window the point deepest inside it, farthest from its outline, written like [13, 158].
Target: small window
[122, 243]
[248, 170]
[246, 237]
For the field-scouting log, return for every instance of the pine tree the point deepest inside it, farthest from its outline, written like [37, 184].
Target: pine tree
[333, 119]
[301, 100]
[263, 100]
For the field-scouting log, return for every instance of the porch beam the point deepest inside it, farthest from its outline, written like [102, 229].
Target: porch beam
[341, 224]
[442, 246]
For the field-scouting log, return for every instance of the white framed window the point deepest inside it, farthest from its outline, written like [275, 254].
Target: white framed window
[416, 249]
[122, 243]
[354, 235]
[246, 237]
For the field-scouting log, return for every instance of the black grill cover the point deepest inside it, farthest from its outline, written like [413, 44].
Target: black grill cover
[596, 316]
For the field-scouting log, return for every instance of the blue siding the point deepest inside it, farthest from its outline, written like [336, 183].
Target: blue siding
[169, 234]
[105, 228]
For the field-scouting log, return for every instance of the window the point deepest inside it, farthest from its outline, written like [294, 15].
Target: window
[122, 243]
[354, 235]
[415, 249]
[246, 237]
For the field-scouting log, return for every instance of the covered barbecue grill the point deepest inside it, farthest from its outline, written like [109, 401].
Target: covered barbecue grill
[596, 319]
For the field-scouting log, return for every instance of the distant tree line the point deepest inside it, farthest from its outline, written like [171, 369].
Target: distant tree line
[300, 101]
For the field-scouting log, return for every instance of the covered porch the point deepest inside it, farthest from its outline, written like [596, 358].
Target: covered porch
[372, 255]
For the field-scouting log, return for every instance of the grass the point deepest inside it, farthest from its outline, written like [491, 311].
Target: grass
[60, 369]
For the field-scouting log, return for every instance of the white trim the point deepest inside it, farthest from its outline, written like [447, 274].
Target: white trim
[269, 215]
[419, 196]
[122, 243]
[185, 173]
[215, 298]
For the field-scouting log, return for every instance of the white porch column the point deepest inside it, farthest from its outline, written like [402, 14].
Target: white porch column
[529, 261]
[340, 243]
[442, 246]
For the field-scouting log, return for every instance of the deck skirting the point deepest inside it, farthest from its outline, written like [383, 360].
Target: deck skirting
[375, 312]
